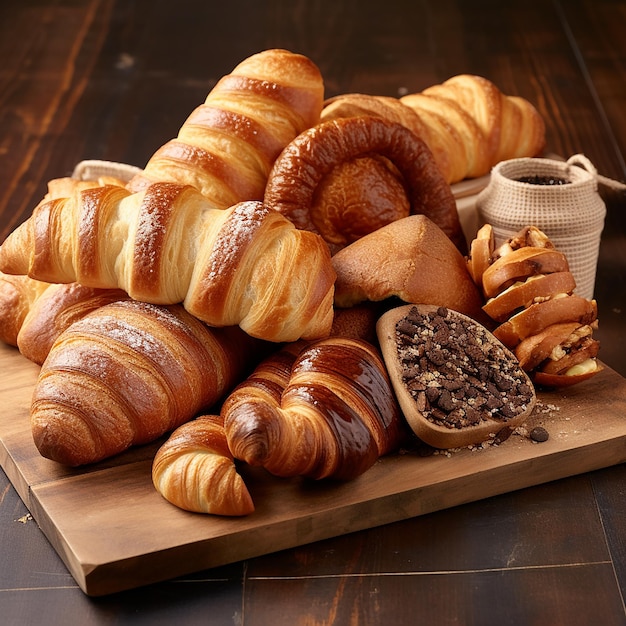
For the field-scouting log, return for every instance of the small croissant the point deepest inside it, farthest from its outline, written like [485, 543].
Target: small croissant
[195, 470]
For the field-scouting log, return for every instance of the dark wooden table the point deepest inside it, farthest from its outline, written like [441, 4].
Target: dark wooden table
[107, 79]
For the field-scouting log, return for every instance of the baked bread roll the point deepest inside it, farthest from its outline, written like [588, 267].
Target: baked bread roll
[320, 410]
[226, 147]
[456, 383]
[17, 296]
[392, 110]
[195, 470]
[411, 259]
[293, 187]
[530, 293]
[126, 374]
[246, 265]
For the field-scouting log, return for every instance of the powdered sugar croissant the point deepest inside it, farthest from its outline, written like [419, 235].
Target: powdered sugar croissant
[318, 410]
[246, 265]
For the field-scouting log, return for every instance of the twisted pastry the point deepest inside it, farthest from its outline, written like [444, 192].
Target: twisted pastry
[528, 291]
[484, 125]
[127, 373]
[297, 173]
[195, 470]
[317, 410]
[226, 147]
[246, 265]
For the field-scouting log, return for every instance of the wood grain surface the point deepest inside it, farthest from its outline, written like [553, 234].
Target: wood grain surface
[115, 532]
[111, 79]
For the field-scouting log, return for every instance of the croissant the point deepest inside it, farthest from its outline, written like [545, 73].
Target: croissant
[298, 172]
[17, 296]
[195, 470]
[318, 410]
[484, 125]
[59, 306]
[246, 265]
[453, 127]
[226, 147]
[127, 373]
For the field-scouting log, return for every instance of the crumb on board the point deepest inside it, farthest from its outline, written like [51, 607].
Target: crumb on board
[534, 431]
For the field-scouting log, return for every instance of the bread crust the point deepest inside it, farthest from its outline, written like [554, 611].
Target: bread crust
[411, 259]
[301, 167]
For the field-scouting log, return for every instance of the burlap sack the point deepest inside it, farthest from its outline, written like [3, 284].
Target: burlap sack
[571, 214]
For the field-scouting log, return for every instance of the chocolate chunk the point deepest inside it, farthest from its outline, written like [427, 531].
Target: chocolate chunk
[457, 376]
[446, 402]
[539, 434]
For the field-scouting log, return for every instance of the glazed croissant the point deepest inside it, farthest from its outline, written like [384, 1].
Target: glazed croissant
[195, 470]
[318, 410]
[127, 373]
[296, 185]
[246, 265]
[226, 147]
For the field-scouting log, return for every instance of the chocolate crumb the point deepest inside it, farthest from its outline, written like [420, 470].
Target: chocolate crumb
[539, 434]
[458, 375]
[503, 434]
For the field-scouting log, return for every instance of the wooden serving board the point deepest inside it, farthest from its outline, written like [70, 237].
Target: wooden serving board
[115, 532]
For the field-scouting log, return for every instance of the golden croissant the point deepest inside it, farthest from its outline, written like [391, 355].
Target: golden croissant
[195, 470]
[479, 123]
[467, 122]
[126, 374]
[320, 410]
[57, 308]
[227, 145]
[246, 265]
[17, 296]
